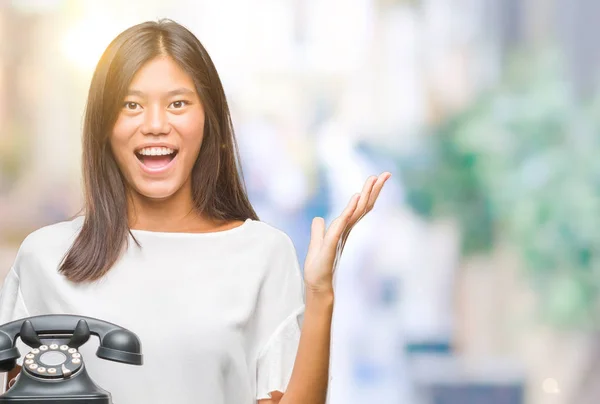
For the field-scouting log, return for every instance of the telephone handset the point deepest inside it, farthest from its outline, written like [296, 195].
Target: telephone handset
[53, 371]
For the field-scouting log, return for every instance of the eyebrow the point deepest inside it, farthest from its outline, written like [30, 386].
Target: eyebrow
[172, 93]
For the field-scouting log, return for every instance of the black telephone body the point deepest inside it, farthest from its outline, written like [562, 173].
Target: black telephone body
[53, 371]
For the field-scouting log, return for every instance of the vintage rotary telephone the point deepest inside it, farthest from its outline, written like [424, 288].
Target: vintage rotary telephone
[54, 372]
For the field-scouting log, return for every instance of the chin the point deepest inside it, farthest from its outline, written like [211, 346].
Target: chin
[156, 191]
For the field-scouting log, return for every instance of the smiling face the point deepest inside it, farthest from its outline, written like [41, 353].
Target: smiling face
[159, 130]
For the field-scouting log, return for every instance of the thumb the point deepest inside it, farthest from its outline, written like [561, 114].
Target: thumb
[317, 234]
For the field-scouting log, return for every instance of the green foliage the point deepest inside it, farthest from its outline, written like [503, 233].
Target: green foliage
[523, 163]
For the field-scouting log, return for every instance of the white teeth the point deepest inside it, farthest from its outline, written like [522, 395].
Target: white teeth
[156, 151]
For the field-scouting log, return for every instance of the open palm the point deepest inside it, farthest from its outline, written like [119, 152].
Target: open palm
[326, 246]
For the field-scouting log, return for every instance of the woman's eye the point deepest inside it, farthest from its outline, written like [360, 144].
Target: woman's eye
[131, 105]
[179, 104]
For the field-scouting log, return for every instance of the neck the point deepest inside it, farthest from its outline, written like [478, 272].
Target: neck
[173, 214]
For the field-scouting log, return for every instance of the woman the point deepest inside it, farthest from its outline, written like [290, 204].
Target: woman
[171, 248]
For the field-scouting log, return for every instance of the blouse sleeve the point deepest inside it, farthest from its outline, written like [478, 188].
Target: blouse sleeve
[282, 310]
[12, 306]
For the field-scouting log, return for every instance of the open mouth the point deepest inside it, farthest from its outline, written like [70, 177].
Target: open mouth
[156, 158]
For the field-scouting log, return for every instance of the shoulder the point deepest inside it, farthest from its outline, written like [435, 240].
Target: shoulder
[48, 243]
[277, 251]
[53, 235]
[269, 235]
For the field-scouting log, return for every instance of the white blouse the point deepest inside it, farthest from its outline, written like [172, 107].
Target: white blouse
[218, 314]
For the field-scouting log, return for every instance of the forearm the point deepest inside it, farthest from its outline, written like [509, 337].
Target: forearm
[308, 384]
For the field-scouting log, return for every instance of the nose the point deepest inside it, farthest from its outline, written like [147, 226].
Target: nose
[155, 121]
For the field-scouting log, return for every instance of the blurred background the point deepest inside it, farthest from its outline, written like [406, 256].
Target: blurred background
[476, 278]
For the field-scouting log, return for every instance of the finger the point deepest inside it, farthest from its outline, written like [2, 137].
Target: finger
[339, 224]
[378, 186]
[364, 198]
[376, 189]
[317, 233]
[361, 209]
